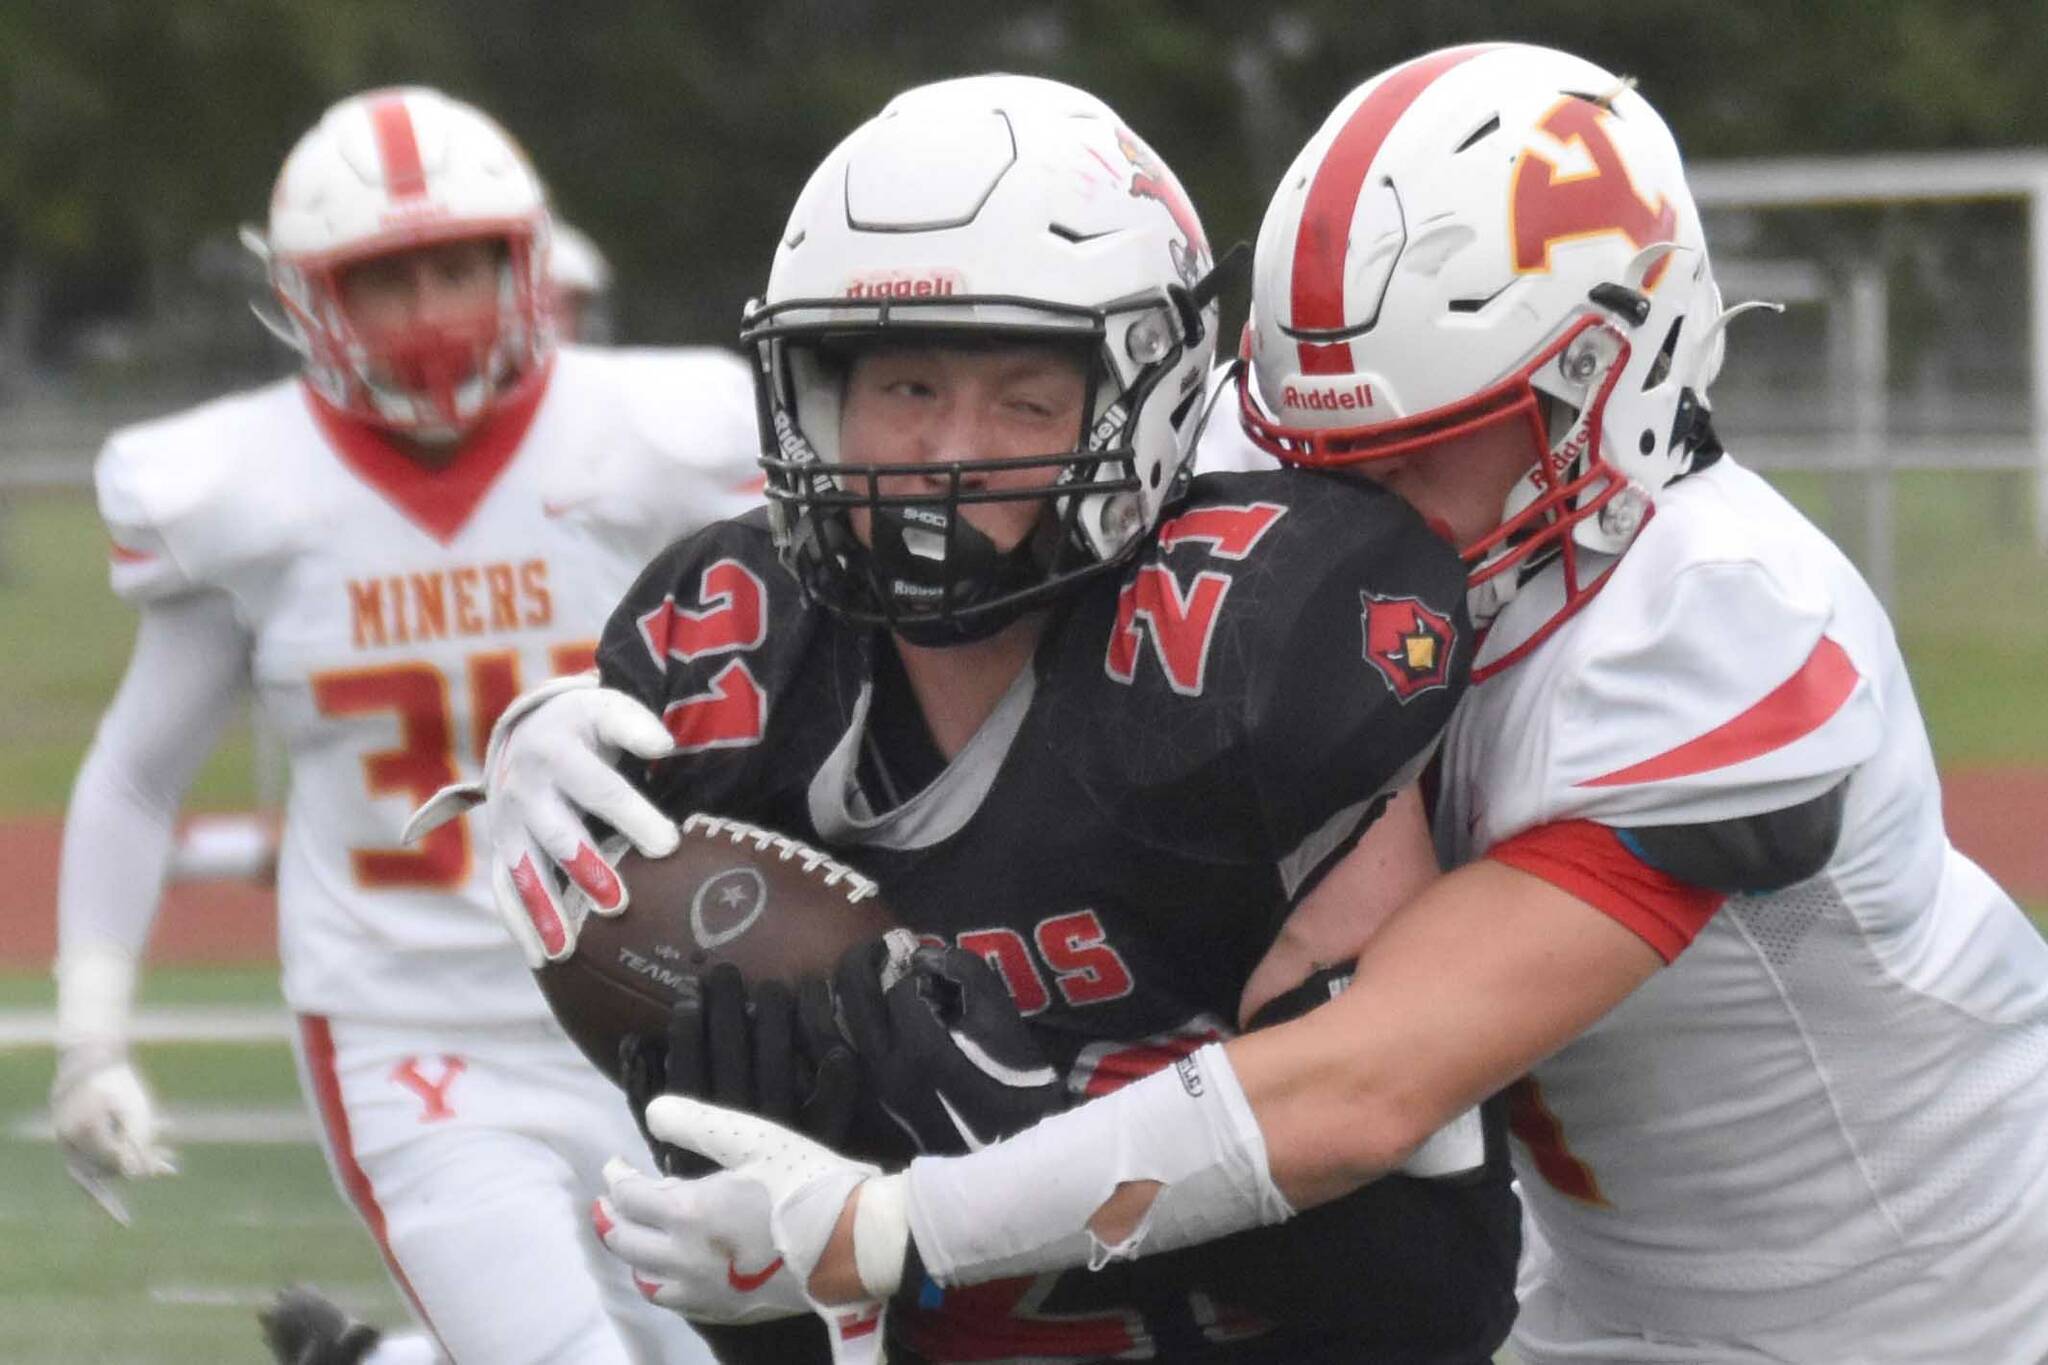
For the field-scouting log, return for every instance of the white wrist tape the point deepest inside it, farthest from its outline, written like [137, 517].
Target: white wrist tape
[95, 996]
[1022, 1206]
[881, 1234]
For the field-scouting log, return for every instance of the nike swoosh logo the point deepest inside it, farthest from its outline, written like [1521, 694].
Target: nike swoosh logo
[746, 1282]
[967, 1134]
[551, 508]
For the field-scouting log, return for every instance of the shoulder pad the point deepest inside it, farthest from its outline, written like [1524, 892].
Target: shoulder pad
[704, 602]
[186, 498]
[714, 639]
[1287, 648]
[1364, 647]
[1748, 854]
[1715, 693]
[682, 446]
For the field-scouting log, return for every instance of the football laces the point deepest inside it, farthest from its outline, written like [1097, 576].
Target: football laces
[816, 862]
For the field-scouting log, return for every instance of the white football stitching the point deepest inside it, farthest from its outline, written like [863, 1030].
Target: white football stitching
[712, 826]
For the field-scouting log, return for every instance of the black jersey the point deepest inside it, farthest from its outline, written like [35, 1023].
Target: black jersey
[1195, 740]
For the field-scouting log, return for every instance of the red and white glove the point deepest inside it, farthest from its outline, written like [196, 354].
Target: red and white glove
[645, 1221]
[778, 1200]
[549, 765]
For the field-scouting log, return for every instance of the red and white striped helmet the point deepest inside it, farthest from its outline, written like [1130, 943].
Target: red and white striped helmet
[1469, 231]
[391, 170]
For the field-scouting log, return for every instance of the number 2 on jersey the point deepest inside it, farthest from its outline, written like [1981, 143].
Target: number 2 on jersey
[424, 760]
[733, 711]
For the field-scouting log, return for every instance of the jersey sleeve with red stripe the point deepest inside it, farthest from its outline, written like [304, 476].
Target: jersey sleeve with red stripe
[184, 501]
[1595, 864]
[1718, 691]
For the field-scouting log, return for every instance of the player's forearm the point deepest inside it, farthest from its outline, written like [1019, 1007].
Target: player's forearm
[1489, 971]
[180, 688]
[117, 846]
[1486, 973]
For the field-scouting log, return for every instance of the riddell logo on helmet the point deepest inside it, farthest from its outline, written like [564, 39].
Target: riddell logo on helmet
[407, 212]
[1351, 398]
[926, 284]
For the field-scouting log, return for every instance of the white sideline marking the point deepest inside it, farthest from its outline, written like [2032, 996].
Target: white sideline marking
[361, 1299]
[26, 1028]
[204, 1125]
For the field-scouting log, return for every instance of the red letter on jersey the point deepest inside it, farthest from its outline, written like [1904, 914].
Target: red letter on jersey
[1181, 626]
[1005, 951]
[1086, 969]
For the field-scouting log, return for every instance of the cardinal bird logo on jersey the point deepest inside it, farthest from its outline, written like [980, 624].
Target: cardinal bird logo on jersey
[1408, 643]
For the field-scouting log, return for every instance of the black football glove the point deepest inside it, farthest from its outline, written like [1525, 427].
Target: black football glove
[944, 1055]
[762, 1048]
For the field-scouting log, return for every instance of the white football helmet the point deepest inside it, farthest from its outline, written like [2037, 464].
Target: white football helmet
[582, 281]
[1492, 234]
[991, 207]
[391, 170]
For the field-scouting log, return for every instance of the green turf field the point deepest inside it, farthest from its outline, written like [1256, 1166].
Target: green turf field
[244, 1216]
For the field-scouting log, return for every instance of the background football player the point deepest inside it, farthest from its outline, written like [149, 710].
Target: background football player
[582, 284]
[1077, 719]
[438, 512]
[1786, 1049]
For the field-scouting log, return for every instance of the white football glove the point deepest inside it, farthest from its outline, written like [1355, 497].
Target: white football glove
[548, 766]
[106, 1123]
[646, 1222]
[780, 1195]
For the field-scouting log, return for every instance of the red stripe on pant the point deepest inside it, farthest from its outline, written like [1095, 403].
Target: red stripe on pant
[318, 1039]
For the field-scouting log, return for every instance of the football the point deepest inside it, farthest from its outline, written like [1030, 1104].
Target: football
[731, 892]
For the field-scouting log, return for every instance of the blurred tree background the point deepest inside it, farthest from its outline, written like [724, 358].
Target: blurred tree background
[135, 136]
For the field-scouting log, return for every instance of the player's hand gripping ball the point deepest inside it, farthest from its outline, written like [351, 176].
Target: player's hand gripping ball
[776, 909]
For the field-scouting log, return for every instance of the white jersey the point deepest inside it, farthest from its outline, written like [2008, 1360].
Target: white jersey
[1834, 1086]
[1222, 447]
[394, 610]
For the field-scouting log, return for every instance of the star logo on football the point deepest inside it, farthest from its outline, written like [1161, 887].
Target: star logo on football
[1410, 644]
[726, 906]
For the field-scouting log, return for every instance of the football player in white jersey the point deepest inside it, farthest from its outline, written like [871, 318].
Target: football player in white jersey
[1779, 1052]
[436, 514]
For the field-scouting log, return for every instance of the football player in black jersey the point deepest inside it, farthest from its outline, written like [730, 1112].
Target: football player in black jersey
[1099, 726]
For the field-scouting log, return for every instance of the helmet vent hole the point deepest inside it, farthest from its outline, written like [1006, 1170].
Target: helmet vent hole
[1075, 235]
[1484, 130]
[1477, 304]
[1647, 442]
[1157, 473]
[1660, 368]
